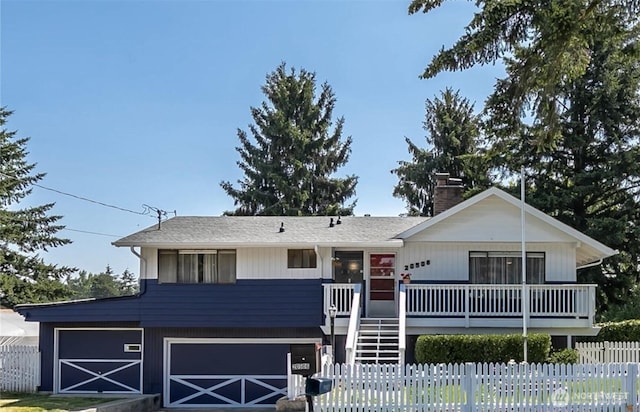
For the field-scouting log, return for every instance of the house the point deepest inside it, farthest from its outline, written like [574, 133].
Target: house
[223, 298]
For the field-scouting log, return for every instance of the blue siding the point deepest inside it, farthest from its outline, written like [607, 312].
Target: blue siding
[122, 309]
[248, 303]
[46, 357]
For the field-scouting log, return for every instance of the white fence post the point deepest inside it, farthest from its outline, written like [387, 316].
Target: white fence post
[468, 387]
[631, 387]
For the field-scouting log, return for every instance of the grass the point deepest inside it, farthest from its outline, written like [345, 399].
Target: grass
[36, 402]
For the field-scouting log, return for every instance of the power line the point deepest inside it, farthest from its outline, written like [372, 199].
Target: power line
[28, 220]
[91, 233]
[145, 212]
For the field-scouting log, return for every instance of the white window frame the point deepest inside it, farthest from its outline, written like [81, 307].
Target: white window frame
[200, 276]
[538, 278]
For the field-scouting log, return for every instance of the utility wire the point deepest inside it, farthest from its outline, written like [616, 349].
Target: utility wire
[91, 233]
[145, 212]
[28, 220]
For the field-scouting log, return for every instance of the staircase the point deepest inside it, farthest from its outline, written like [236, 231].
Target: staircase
[378, 341]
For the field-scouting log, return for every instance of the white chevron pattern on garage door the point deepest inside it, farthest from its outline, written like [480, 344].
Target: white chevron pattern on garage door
[216, 398]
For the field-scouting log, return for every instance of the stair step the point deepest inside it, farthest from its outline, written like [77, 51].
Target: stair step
[366, 343]
[377, 331]
[378, 341]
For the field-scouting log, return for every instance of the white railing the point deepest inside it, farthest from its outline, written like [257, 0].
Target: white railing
[485, 387]
[19, 368]
[354, 325]
[402, 322]
[340, 295]
[605, 352]
[571, 301]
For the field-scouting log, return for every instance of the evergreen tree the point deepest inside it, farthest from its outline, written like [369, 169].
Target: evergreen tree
[102, 285]
[290, 160]
[590, 180]
[128, 283]
[24, 276]
[453, 135]
[544, 41]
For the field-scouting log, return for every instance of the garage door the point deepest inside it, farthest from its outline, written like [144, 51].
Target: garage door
[99, 361]
[209, 373]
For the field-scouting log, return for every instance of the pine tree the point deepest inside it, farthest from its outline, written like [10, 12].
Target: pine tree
[24, 231]
[453, 136]
[590, 179]
[545, 42]
[293, 152]
[128, 283]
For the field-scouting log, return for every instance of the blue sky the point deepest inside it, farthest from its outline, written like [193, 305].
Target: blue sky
[138, 102]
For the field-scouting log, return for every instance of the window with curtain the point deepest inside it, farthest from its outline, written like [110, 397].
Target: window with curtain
[505, 268]
[197, 266]
[301, 259]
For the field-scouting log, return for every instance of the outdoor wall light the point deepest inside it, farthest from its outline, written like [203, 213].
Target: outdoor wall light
[333, 311]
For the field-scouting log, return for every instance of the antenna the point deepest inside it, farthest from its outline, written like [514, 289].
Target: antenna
[160, 213]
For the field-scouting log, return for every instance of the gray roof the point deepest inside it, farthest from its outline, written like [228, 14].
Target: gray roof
[237, 231]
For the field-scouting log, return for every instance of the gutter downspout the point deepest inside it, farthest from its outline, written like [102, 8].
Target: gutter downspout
[143, 284]
[588, 265]
[316, 249]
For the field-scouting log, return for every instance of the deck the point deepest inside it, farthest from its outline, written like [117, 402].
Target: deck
[565, 308]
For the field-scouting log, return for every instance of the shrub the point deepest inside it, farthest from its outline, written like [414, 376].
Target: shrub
[564, 356]
[481, 348]
[624, 331]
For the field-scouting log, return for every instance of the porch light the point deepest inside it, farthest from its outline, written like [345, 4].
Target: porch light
[333, 311]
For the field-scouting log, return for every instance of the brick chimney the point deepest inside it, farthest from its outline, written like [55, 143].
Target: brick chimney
[447, 192]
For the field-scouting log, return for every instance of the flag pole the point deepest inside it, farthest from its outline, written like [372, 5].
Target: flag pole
[525, 294]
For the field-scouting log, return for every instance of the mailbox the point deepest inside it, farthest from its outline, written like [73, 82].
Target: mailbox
[304, 359]
[318, 386]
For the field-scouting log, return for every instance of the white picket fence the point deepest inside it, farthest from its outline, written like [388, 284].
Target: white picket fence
[480, 388]
[19, 368]
[605, 352]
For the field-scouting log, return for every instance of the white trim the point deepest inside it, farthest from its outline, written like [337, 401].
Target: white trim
[127, 364]
[166, 356]
[56, 367]
[56, 354]
[391, 243]
[494, 191]
[229, 403]
[367, 279]
[243, 340]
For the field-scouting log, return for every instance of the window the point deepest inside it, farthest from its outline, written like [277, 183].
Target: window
[301, 258]
[505, 267]
[382, 282]
[197, 266]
